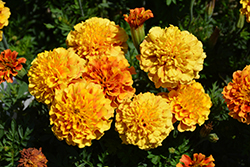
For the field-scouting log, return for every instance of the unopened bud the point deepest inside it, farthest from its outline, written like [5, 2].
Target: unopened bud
[171, 150]
[212, 137]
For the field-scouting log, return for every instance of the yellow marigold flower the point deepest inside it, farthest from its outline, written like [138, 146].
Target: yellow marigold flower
[190, 105]
[114, 75]
[245, 10]
[199, 160]
[32, 157]
[4, 15]
[9, 64]
[171, 56]
[53, 70]
[95, 37]
[80, 113]
[236, 95]
[144, 121]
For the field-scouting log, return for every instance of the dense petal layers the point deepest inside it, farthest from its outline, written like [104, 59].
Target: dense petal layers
[114, 75]
[245, 10]
[32, 157]
[236, 95]
[80, 113]
[9, 64]
[199, 160]
[144, 121]
[171, 56]
[52, 71]
[137, 17]
[190, 105]
[4, 15]
[95, 37]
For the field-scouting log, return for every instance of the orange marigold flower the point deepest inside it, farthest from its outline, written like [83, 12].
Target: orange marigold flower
[53, 70]
[236, 95]
[32, 157]
[9, 64]
[95, 37]
[144, 121]
[80, 113]
[114, 75]
[171, 56]
[190, 105]
[245, 10]
[137, 17]
[199, 160]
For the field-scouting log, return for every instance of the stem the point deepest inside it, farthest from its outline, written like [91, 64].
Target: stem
[5, 43]
[80, 4]
[191, 12]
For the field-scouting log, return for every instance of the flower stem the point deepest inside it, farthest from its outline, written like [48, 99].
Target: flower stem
[5, 43]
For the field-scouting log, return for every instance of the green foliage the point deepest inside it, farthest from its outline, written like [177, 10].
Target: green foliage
[35, 26]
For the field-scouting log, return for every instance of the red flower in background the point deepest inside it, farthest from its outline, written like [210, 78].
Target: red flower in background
[9, 64]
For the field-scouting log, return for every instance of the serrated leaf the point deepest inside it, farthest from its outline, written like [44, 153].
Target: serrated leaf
[20, 131]
[156, 159]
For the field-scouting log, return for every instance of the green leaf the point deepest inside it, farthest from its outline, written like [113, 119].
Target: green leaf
[168, 2]
[20, 131]
[48, 25]
[13, 126]
[156, 159]
[1, 131]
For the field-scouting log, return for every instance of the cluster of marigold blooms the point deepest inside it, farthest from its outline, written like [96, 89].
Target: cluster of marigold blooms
[85, 84]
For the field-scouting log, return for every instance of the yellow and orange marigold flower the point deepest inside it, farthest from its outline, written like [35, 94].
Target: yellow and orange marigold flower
[236, 95]
[80, 113]
[190, 105]
[9, 64]
[245, 10]
[144, 121]
[114, 76]
[199, 160]
[32, 157]
[171, 56]
[52, 71]
[95, 37]
[137, 17]
[4, 16]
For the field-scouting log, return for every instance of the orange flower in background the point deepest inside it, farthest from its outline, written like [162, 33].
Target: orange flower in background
[9, 64]
[236, 95]
[190, 105]
[52, 71]
[32, 157]
[245, 10]
[95, 37]
[137, 17]
[199, 160]
[144, 121]
[136, 20]
[114, 76]
[171, 56]
[80, 113]
[4, 16]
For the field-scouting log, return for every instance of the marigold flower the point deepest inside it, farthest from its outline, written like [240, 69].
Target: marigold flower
[9, 64]
[52, 71]
[32, 157]
[80, 113]
[236, 95]
[190, 105]
[4, 15]
[136, 20]
[114, 75]
[245, 10]
[95, 37]
[137, 17]
[171, 56]
[199, 160]
[144, 121]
